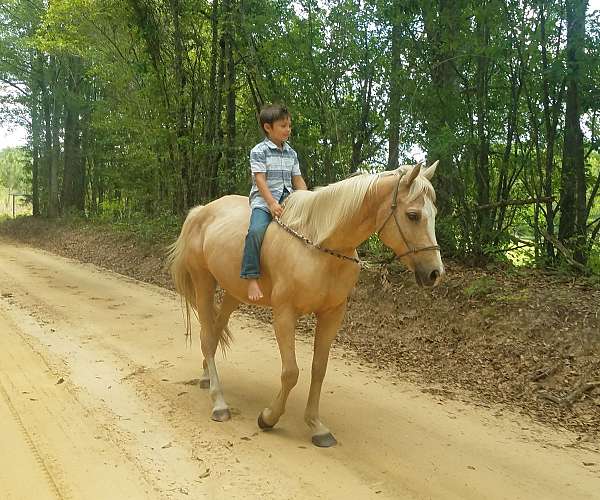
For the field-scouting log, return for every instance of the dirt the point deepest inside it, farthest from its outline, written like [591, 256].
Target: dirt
[98, 399]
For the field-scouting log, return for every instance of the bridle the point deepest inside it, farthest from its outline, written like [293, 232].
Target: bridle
[393, 208]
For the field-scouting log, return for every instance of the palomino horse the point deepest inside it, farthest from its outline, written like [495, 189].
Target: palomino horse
[298, 277]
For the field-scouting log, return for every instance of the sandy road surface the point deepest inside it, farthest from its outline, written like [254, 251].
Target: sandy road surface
[95, 403]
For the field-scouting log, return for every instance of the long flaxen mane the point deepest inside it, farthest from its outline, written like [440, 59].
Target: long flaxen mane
[318, 214]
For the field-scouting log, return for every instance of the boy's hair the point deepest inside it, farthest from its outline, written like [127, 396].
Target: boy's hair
[271, 113]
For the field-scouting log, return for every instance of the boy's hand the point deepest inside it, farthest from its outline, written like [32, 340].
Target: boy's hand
[276, 209]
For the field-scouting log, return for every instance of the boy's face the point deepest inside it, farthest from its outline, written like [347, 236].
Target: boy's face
[279, 131]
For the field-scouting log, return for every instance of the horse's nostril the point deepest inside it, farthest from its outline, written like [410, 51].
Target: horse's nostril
[434, 275]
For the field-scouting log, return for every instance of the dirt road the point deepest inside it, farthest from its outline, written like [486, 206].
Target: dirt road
[97, 401]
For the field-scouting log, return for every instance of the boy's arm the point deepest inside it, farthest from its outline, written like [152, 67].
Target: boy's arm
[261, 183]
[298, 182]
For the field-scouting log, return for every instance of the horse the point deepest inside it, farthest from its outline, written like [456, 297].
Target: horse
[309, 264]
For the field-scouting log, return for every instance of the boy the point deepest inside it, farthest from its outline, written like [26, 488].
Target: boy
[275, 174]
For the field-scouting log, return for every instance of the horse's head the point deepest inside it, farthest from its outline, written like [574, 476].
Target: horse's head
[408, 224]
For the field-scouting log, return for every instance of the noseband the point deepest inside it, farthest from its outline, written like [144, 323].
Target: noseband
[394, 206]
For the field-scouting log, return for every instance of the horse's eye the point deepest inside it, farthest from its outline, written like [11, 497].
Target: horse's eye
[414, 216]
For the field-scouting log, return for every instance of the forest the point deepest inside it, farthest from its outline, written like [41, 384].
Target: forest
[141, 109]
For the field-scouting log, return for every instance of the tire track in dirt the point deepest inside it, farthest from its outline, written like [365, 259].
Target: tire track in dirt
[45, 472]
[53, 433]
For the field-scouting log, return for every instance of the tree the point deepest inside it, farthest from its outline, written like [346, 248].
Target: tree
[573, 199]
[14, 170]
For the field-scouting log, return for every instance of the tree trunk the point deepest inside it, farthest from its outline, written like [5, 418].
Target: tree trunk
[182, 144]
[51, 109]
[218, 133]
[208, 166]
[395, 90]
[551, 117]
[573, 221]
[362, 133]
[442, 22]
[229, 151]
[504, 184]
[73, 186]
[37, 65]
[482, 172]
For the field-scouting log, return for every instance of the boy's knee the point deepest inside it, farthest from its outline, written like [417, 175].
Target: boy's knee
[256, 231]
[256, 235]
[258, 228]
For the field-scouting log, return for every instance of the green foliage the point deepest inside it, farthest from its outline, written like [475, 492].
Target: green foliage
[448, 233]
[481, 287]
[594, 260]
[374, 249]
[159, 228]
[15, 170]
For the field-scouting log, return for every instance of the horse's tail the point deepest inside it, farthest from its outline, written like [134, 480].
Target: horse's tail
[182, 279]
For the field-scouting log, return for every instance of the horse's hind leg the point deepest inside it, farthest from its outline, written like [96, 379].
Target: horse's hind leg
[205, 379]
[328, 323]
[205, 285]
[228, 305]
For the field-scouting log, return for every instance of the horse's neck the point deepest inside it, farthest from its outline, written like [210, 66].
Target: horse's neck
[365, 222]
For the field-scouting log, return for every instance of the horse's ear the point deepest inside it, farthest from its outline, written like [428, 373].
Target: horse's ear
[411, 175]
[428, 172]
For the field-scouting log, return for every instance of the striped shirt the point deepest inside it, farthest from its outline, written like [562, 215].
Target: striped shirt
[279, 166]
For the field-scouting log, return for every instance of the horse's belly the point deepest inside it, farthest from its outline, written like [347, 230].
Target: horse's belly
[223, 255]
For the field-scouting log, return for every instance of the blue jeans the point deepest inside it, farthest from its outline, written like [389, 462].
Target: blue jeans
[259, 221]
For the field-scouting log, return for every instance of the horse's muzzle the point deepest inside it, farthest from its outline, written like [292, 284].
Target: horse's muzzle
[429, 278]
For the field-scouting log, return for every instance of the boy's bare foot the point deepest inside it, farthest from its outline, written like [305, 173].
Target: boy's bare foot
[254, 291]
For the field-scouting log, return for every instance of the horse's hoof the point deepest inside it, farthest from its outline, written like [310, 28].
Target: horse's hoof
[221, 415]
[262, 424]
[324, 440]
[204, 383]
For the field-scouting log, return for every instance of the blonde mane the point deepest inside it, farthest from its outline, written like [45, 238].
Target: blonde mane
[318, 214]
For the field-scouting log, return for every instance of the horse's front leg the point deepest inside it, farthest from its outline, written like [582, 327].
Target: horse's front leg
[284, 322]
[328, 323]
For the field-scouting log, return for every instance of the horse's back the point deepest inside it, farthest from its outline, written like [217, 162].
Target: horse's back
[227, 208]
[217, 232]
[227, 213]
